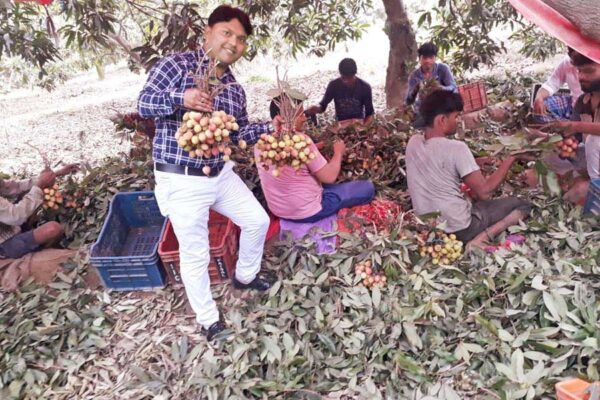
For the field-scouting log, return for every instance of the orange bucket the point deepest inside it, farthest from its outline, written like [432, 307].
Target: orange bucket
[572, 389]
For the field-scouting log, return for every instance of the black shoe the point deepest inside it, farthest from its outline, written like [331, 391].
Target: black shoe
[257, 284]
[214, 329]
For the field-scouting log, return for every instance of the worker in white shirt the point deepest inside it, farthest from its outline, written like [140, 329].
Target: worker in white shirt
[550, 106]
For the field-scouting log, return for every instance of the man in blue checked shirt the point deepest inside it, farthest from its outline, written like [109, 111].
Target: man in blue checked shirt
[428, 69]
[185, 193]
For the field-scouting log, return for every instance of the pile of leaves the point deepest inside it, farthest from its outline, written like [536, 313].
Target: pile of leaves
[92, 191]
[375, 151]
[507, 325]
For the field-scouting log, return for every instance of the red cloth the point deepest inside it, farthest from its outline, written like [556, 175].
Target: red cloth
[553, 23]
[379, 214]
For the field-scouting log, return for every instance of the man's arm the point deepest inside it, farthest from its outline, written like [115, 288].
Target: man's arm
[555, 80]
[322, 106]
[329, 173]
[447, 79]
[551, 86]
[161, 94]
[15, 188]
[575, 125]
[368, 103]
[412, 91]
[482, 188]
[570, 128]
[327, 97]
[17, 214]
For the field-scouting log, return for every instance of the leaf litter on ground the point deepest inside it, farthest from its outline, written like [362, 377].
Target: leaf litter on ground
[507, 325]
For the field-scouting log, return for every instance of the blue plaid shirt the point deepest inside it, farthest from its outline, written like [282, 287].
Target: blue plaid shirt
[162, 99]
[441, 72]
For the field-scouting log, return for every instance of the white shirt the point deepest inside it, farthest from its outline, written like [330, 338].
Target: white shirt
[565, 72]
[434, 170]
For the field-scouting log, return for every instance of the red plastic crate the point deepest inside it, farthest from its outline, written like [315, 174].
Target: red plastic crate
[223, 237]
[273, 227]
[474, 96]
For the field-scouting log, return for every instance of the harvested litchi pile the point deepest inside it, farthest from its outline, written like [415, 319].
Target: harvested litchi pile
[368, 276]
[204, 135]
[442, 248]
[289, 146]
[289, 149]
[207, 135]
[52, 198]
[73, 200]
[567, 148]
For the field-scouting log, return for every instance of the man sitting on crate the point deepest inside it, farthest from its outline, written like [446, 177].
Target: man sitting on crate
[585, 120]
[436, 166]
[184, 192]
[550, 106]
[310, 193]
[13, 242]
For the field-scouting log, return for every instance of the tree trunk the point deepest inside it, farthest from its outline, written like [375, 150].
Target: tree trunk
[125, 46]
[584, 14]
[403, 49]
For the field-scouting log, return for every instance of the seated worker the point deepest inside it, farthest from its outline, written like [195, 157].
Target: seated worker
[13, 242]
[429, 69]
[547, 106]
[585, 120]
[436, 166]
[351, 95]
[310, 194]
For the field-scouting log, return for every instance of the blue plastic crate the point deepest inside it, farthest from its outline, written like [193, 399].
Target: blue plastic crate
[592, 203]
[125, 254]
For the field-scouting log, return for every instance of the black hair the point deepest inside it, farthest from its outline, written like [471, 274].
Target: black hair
[440, 102]
[347, 67]
[274, 108]
[579, 60]
[427, 50]
[226, 13]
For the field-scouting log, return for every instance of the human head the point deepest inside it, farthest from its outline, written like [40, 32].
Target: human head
[440, 110]
[275, 111]
[589, 72]
[427, 56]
[348, 71]
[226, 34]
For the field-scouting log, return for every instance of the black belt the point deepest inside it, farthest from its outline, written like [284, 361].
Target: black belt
[185, 170]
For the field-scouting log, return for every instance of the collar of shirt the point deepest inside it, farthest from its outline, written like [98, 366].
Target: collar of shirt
[227, 75]
[434, 72]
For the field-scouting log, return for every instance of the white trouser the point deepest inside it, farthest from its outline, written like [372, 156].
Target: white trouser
[186, 201]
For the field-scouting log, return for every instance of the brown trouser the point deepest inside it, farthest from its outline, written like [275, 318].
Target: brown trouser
[486, 213]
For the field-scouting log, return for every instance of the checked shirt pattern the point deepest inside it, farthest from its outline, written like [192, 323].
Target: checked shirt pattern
[162, 99]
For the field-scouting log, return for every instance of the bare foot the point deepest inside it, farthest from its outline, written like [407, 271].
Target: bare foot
[476, 244]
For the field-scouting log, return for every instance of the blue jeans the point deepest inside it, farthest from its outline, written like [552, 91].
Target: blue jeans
[19, 245]
[342, 195]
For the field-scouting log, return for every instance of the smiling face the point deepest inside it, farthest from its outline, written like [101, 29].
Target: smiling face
[226, 41]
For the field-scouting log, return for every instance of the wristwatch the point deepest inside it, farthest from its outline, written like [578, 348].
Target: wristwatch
[270, 127]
